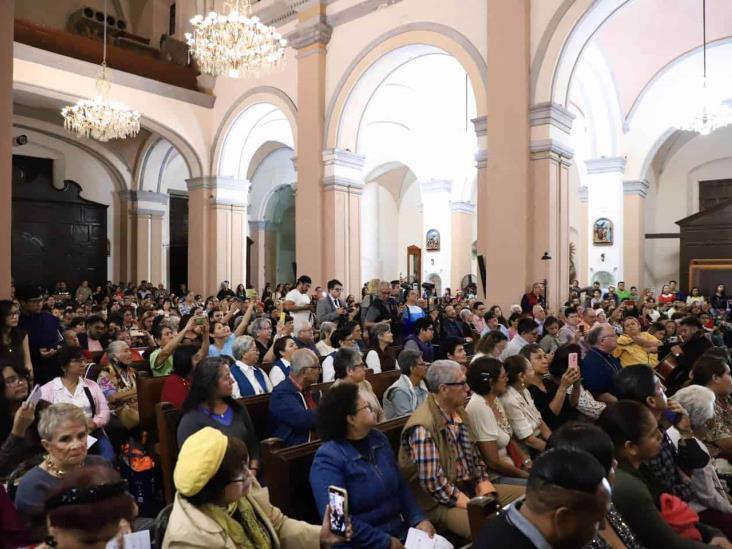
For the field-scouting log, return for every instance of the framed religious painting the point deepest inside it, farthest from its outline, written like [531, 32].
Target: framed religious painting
[603, 231]
[433, 240]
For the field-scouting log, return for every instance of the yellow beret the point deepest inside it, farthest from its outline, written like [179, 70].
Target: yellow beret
[199, 459]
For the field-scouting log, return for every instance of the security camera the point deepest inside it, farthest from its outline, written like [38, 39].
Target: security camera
[20, 140]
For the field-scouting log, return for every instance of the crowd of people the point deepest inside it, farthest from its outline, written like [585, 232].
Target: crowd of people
[606, 423]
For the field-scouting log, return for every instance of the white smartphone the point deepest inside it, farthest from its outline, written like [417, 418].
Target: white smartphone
[573, 359]
[34, 396]
[338, 501]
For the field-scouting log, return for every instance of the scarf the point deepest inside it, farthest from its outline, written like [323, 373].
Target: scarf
[250, 533]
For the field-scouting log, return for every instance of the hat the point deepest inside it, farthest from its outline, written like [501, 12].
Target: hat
[199, 459]
[26, 292]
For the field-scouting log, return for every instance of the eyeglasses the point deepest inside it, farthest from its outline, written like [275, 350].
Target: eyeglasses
[456, 384]
[364, 407]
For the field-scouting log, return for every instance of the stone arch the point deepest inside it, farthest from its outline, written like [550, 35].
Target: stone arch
[391, 50]
[261, 94]
[154, 159]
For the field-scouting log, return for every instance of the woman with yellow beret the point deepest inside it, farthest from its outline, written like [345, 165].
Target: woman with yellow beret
[220, 504]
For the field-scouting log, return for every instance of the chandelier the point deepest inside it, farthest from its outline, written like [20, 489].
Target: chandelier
[100, 118]
[712, 115]
[235, 43]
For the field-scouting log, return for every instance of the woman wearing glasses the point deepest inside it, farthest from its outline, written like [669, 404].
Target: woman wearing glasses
[357, 457]
[220, 504]
[14, 342]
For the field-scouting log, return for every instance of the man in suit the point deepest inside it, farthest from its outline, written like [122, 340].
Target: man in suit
[694, 344]
[292, 405]
[331, 308]
[250, 379]
[567, 497]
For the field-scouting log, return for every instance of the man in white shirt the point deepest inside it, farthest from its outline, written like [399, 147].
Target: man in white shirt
[569, 333]
[250, 380]
[297, 301]
[528, 332]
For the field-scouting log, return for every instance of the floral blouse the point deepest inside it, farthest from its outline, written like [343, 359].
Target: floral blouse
[617, 523]
[720, 426]
[113, 379]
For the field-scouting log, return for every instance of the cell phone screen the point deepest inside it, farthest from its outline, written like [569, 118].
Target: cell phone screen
[573, 360]
[338, 511]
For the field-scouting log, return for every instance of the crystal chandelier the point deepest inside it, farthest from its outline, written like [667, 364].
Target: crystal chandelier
[713, 114]
[100, 118]
[235, 43]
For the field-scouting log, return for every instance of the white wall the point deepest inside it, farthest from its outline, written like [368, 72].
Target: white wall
[71, 162]
[276, 169]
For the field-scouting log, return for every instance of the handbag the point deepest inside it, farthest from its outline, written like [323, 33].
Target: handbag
[129, 416]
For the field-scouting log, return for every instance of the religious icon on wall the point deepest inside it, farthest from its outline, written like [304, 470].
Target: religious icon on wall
[433, 240]
[602, 231]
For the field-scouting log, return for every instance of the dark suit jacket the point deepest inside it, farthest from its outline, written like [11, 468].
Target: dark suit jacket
[288, 417]
[498, 532]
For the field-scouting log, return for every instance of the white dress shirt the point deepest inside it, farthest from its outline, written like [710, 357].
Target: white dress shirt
[248, 371]
[276, 375]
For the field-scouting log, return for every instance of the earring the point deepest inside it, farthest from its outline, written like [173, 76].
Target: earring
[51, 541]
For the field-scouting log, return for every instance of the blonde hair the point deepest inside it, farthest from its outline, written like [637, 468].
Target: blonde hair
[372, 286]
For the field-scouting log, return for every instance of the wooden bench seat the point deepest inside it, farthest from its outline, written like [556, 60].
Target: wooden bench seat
[149, 391]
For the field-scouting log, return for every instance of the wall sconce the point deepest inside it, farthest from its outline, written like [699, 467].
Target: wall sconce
[602, 258]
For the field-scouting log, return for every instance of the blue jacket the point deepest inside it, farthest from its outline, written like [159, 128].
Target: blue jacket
[378, 496]
[598, 372]
[289, 419]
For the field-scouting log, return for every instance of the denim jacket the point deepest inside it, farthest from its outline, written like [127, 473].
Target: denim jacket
[379, 501]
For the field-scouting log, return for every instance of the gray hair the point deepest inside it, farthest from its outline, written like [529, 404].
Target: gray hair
[441, 372]
[258, 324]
[55, 415]
[464, 313]
[698, 401]
[380, 329]
[241, 346]
[301, 359]
[115, 348]
[595, 334]
[327, 329]
[407, 360]
[304, 326]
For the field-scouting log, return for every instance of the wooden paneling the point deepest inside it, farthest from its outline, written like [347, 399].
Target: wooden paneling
[178, 242]
[57, 235]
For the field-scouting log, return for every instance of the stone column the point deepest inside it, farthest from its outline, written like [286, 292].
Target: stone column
[7, 8]
[462, 242]
[634, 229]
[503, 183]
[257, 234]
[436, 215]
[583, 249]
[549, 205]
[310, 37]
[605, 200]
[217, 232]
[342, 186]
[146, 210]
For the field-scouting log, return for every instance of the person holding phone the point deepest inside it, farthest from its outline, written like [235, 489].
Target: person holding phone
[346, 465]
[219, 503]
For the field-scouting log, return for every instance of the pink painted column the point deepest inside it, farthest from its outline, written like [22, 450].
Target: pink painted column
[7, 8]
[503, 182]
[257, 234]
[581, 257]
[309, 39]
[343, 186]
[634, 229]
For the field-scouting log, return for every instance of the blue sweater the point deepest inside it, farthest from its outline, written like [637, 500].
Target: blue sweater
[378, 497]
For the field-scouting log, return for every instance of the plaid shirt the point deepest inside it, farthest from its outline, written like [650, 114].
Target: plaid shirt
[665, 471]
[422, 449]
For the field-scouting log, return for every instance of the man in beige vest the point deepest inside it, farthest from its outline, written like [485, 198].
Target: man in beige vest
[438, 455]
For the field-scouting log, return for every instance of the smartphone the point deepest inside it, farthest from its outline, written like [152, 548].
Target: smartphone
[338, 501]
[582, 329]
[573, 360]
[282, 317]
[136, 333]
[200, 321]
[34, 396]
[671, 416]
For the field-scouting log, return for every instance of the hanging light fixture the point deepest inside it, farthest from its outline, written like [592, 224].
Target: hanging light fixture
[100, 118]
[235, 43]
[713, 114]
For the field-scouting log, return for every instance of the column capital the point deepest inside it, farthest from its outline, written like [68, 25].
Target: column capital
[143, 196]
[481, 159]
[609, 164]
[342, 169]
[638, 187]
[312, 32]
[216, 182]
[435, 186]
[583, 195]
[481, 125]
[552, 114]
[463, 207]
[544, 148]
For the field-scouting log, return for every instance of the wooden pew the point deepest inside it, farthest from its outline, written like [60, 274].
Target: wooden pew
[167, 417]
[287, 471]
[379, 383]
[481, 509]
[258, 408]
[149, 391]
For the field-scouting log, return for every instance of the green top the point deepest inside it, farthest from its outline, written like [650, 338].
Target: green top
[164, 369]
[623, 294]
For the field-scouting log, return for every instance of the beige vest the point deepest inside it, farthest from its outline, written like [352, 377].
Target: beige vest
[428, 415]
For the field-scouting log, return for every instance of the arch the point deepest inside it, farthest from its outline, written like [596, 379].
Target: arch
[574, 23]
[395, 47]
[156, 156]
[259, 94]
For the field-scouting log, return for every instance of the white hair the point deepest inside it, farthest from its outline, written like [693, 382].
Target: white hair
[441, 372]
[698, 401]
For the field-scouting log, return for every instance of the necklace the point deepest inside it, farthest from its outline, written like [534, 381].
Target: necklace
[52, 468]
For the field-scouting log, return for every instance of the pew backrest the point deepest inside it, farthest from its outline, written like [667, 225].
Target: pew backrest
[149, 391]
[379, 383]
[258, 409]
[167, 417]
